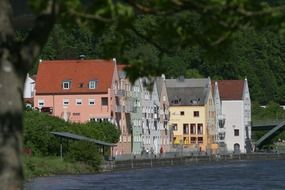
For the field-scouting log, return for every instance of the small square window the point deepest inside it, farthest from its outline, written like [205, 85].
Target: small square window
[182, 113]
[41, 103]
[196, 113]
[236, 132]
[78, 101]
[92, 84]
[65, 102]
[174, 127]
[91, 102]
[104, 101]
[66, 85]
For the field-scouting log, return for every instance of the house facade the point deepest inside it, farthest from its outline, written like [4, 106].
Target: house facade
[165, 133]
[124, 108]
[136, 118]
[189, 113]
[77, 90]
[150, 119]
[234, 118]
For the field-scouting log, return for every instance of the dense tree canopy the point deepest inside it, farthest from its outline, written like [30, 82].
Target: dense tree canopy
[170, 27]
[257, 54]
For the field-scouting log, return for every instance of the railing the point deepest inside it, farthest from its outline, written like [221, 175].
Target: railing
[259, 123]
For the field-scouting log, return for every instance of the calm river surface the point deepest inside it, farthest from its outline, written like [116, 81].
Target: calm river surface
[253, 175]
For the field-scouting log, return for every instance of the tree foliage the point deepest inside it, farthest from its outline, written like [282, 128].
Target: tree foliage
[37, 128]
[170, 31]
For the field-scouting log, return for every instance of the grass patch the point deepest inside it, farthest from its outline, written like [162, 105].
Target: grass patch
[35, 166]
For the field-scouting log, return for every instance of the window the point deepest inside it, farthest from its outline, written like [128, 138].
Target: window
[196, 113]
[236, 132]
[91, 102]
[76, 114]
[66, 85]
[200, 129]
[41, 103]
[186, 129]
[92, 84]
[174, 127]
[193, 128]
[175, 140]
[200, 139]
[104, 101]
[193, 140]
[182, 113]
[78, 102]
[65, 102]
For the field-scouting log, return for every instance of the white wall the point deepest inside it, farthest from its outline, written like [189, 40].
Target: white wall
[234, 113]
[29, 87]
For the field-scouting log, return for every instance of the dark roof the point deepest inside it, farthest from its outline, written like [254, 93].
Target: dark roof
[187, 92]
[230, 89]
[81, 138]
[187, 96]
[159, 84]
[51, 74]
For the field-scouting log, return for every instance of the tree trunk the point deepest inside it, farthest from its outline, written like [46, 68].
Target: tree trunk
[11, 87]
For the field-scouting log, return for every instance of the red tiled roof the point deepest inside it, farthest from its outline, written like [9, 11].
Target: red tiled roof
[230, 89]
[51, 74]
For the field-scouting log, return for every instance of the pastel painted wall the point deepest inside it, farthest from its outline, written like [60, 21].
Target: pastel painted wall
[76, 112]
[233, 112]
[188, 118]
[29, 87]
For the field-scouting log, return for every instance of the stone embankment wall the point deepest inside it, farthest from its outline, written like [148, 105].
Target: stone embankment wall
[189, 160]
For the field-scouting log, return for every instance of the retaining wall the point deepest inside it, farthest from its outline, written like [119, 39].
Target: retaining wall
[188, 160]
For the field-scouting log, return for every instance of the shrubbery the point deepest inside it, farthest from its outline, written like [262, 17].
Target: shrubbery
[84, 152]
[37, 128]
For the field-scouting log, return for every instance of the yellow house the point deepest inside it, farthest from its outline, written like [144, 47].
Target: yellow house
[192, 113]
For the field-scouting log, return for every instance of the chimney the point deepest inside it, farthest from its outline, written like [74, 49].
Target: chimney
[82, 57]
[114, 60]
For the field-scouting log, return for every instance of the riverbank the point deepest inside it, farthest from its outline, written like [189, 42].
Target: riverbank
[187, 160]
[35, 166]
[49, 166]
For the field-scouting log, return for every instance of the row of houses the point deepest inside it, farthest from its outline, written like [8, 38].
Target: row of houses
[195, 114]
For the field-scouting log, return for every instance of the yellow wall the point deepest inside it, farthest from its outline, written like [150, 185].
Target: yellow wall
[188, 118]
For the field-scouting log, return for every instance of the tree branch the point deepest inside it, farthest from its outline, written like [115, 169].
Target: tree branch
[38, 36]
[147, 39]
[89, 16]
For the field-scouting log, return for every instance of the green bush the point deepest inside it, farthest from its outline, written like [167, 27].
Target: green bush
[37, 128]
[84, 152]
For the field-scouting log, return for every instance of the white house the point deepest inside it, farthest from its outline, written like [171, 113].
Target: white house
[233, 115]
[29, 90]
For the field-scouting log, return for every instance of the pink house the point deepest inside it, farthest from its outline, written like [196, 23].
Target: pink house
[77, 90]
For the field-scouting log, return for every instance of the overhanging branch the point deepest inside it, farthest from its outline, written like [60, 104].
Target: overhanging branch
[38, 36]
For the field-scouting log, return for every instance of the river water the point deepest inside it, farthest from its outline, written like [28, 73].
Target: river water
[234, 175]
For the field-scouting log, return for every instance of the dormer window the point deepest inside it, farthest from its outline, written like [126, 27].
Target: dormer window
[66, 85]
[92, 84]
